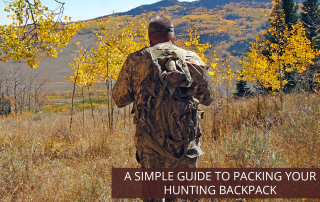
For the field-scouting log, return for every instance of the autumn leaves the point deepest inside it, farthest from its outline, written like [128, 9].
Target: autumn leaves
[35, 29]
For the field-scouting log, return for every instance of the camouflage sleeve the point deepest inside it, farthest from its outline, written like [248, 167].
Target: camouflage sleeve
[202, 86]
[122, 92]
[193, 58]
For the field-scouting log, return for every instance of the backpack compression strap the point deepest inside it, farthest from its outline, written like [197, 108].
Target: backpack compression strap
[157, 53]
[179, 54]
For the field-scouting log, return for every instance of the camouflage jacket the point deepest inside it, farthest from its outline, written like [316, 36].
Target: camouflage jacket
[131, 85]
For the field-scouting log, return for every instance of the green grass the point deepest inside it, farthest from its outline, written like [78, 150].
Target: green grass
[77, 106]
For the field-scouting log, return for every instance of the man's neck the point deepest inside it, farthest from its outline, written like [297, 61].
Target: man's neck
[154, 42]
[161, 42]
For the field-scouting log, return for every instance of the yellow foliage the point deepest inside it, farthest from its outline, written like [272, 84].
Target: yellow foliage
[196, 46]
[97, 65]
[292, 52]
[221, 72]
[33, 31]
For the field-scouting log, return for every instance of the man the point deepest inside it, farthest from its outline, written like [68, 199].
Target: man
[166, 84]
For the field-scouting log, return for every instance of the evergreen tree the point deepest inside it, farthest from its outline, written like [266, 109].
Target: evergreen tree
[291, 18]
[242, 89]
[310, 17]
[311, 20]
[283, 16]
[290, 11]
[277, 21]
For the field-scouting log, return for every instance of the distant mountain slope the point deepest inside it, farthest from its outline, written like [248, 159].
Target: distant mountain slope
[152, 7]
[228, 25]
[189, 5]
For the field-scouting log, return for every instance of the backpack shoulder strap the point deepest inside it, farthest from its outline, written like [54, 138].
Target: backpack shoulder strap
[157, 53]
[154, 53]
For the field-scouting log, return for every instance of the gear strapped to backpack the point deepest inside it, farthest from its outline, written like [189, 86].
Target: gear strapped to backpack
[167, 117]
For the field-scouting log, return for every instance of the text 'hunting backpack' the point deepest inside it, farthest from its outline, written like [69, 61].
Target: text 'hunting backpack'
[167, 118]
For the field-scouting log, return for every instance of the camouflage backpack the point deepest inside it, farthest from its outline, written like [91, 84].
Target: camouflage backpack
[167, 118]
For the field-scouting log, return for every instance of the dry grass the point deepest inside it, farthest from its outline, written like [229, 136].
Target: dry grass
[41, 160]
[242, 135]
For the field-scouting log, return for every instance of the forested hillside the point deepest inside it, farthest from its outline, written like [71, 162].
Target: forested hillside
[227, 25]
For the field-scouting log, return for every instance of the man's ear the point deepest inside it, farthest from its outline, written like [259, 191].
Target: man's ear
[173, 36]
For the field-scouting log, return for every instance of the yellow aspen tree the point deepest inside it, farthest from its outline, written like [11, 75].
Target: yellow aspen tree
[85, 73]
[113, 49]
[220, 70]
[222, 73]
[104, 63]
[34, 29]
[258, 69]
[255, 67]
[196, 46]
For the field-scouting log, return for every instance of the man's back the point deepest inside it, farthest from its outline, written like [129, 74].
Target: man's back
[164, 126]
[135, 69]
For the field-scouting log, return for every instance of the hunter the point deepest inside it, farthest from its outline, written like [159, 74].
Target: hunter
[166, 84]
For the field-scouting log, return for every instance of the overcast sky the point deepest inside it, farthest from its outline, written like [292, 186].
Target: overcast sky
[86, 9]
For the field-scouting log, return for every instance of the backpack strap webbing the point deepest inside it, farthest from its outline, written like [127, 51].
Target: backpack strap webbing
[157, 53]
[178, 54]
